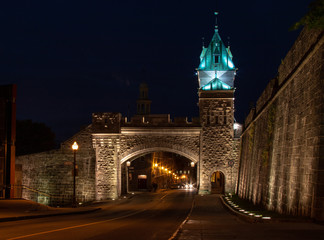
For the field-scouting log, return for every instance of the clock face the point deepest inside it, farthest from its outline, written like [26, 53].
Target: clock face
[231, 163]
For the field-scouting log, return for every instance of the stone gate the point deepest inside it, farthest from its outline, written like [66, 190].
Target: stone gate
[211, 141]
[115, 141]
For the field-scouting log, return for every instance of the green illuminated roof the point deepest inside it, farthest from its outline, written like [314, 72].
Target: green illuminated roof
[216, 70]
[216, 84]
[216, 56]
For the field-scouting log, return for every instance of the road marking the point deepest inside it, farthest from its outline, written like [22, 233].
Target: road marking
[181, 225]
[76, 226]
[163, 196]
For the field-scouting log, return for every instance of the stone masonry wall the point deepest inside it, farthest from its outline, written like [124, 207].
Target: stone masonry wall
[188, 144]
[219, 150]
[47, 176]
[281, 163]
[107, 166]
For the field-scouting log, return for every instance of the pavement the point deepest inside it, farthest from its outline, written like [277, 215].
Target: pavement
[20, 209]
[210, 218]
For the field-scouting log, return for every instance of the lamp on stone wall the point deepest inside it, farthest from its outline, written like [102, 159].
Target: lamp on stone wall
[128, 163]
[192, 164]
[75, 147]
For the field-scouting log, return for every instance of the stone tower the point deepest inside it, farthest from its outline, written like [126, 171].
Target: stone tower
[143, 102]
[216, 74]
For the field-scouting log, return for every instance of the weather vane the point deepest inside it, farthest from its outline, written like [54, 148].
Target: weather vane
[216, 25]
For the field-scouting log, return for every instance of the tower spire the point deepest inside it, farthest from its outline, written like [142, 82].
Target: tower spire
[216, 24]
[216, 70]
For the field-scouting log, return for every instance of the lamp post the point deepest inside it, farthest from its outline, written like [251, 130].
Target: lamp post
[75, 147]
[192, 164]
[128, 163]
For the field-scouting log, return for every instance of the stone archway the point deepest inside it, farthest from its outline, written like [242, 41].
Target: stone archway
[129, 174]
[217, 181]
[114, 149]
[137, 153]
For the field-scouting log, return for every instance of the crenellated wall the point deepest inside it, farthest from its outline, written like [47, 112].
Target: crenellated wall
[281, 162]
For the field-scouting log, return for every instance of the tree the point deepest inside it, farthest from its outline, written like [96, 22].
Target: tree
[33, 137]
[314, 18]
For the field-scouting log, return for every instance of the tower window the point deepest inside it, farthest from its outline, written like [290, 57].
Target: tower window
[216, 58]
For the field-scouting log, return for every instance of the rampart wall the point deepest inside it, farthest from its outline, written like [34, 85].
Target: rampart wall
[47, 176]
[281, 162]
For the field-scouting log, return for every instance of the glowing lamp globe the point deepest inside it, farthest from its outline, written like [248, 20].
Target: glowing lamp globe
[75, 146]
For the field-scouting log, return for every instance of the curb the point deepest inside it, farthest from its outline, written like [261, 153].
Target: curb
[242, 216]
[9, 219]
[251, 219]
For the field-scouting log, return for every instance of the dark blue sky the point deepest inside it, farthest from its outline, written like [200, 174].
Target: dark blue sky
[72, 58]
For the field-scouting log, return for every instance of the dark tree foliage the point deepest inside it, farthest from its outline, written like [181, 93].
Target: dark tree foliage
[32, 137]
[314, 18]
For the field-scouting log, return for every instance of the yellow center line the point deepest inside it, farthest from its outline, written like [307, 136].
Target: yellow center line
[163, 196]
[76, 226]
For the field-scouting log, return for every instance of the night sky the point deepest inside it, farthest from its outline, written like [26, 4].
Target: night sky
[72, 58]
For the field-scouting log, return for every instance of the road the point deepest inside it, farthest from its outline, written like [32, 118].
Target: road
[158, 216]
[145, 216]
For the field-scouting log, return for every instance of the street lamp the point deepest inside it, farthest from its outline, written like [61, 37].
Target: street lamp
[192, 164]
[75, 147]
[128, 163]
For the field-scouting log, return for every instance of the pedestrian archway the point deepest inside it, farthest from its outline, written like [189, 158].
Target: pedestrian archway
[217, 182]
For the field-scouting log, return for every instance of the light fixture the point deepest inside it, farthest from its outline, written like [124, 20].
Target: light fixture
[75, 146]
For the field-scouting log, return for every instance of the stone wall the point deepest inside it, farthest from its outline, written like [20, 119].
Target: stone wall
[281, 163]
[219, 149]
[47, 176]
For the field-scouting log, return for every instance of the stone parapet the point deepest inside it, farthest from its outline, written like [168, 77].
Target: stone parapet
[305, 42]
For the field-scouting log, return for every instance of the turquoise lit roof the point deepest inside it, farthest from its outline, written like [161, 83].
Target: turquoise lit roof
[216, 49]
[216, 70]
[216, 84]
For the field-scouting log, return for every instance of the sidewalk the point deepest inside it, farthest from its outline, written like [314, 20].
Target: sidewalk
[19, 209]
[209, 219]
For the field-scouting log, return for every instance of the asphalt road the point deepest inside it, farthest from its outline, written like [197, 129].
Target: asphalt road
[145, 216]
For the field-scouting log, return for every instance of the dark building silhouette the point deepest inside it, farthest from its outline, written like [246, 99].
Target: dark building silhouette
[7, 140]
[143, 102]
